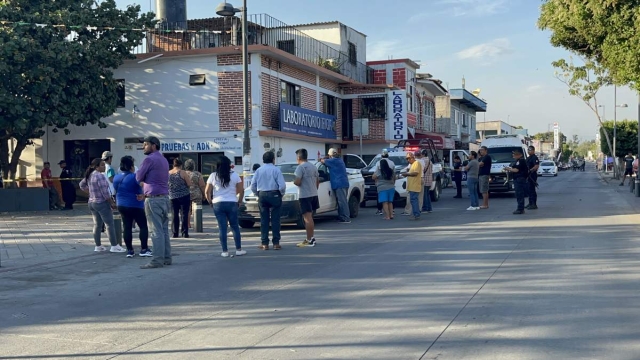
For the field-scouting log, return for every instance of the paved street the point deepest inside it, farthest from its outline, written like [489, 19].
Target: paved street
[557, 283]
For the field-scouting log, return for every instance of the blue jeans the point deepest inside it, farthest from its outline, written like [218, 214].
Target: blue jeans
[426, 199]
[414, 198]
[472, 185]
[343, 204]
[227, 212]
[157, 211]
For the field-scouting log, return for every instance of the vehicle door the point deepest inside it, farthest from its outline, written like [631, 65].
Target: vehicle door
[464, 157]
[353, 161]
[326, 197]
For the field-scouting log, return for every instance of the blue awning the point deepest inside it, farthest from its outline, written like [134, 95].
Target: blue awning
[468, 99]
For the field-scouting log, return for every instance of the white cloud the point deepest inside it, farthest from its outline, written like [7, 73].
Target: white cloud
[488, 52]
[533, 88]
[459, 8]
[381, 50]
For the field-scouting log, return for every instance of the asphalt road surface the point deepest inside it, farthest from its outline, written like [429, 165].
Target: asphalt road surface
[560, 282]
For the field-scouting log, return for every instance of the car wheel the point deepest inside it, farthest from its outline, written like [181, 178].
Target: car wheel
[353, 206]
[246, 224]
[435, 194]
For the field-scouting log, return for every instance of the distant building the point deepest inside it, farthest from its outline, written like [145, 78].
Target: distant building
[497, 127]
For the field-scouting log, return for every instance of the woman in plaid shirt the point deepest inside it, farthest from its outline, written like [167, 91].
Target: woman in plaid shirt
[101, 205]
[427, 181]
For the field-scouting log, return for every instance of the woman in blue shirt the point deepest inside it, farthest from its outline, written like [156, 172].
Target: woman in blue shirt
[131, 206]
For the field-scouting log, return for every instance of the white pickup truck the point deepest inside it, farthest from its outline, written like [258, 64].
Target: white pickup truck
[290, 212]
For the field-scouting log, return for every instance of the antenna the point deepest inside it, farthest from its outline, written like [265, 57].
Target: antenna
[463, 82]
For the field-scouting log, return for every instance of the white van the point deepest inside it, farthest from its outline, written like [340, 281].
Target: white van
[500, 148]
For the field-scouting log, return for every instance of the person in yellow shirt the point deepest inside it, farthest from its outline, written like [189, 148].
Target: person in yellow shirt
[414, 185]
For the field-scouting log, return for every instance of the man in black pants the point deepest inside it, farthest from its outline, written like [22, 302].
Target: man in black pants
[269, 185]
[628, 168]
[519, 172]
[456, 175]
[533, 163]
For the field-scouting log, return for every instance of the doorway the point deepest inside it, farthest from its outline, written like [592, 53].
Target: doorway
[347, 119]
[80, 153]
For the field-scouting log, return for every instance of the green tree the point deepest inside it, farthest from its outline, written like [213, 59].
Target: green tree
[584, 82]
[548, 137]
[606, 32]
[626, 137]
[60, 75]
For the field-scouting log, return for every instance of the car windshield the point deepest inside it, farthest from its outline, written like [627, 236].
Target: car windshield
[397, 160]
[547, 163]
[502, 154]
[288, 171]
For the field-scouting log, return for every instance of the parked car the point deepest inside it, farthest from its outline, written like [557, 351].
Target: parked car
[547, 168]
[290, 212]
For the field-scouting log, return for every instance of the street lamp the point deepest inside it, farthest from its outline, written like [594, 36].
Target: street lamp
[225, 9]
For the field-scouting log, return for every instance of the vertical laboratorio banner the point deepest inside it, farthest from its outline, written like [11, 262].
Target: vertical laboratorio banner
[396, 116]
[556, 136]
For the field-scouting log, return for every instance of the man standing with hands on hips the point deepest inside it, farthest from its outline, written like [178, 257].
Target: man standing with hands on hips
[339, 184]
[519, 172]
[532, 180]
[154, 177]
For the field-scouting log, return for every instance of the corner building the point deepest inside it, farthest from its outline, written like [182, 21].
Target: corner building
[185, 87]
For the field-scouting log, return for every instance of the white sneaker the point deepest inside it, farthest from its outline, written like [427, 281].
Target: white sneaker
[225, 254]
[100, 249]
[471, 208]
[240, 252]
[118, 249]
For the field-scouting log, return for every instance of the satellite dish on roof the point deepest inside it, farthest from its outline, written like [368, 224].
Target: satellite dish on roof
[476, 92]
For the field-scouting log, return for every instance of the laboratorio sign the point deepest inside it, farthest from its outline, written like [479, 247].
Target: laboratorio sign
[313, 121]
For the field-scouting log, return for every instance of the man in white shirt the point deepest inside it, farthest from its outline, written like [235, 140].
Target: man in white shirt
[109, 172]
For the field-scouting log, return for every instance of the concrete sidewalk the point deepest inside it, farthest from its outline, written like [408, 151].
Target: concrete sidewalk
[35, 238]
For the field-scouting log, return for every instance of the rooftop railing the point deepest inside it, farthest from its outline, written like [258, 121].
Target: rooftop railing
[262, 29]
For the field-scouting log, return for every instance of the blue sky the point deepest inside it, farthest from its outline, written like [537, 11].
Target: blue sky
[494, 44]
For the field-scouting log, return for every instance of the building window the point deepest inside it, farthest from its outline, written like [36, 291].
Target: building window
[464, 120]
[288, 46]
[199, 79]
[374, 108]
[410, 95]
[329, 105]
[120, 102]
[290, 93]
[456, 117]
[429, 114]
[353, 53]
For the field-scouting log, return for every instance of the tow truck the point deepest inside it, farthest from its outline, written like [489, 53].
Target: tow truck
[397, 155]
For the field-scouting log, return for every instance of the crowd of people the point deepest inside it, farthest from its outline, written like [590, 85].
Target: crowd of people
[145, 196]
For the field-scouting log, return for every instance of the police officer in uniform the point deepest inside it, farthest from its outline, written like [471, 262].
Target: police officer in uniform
[519, 172]
[533, 163]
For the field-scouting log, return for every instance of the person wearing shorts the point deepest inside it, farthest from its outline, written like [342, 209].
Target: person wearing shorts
[483, 176]
[628, 169]
[385, 185]
[307, 180]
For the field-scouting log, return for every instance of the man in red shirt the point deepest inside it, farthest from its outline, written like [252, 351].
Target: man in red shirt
[47, 183]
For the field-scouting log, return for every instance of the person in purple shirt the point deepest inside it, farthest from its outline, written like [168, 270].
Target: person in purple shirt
[154, 175]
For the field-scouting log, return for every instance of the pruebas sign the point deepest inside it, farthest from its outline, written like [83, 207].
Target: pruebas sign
[213, 145]
[397, 116]
[296, 120]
